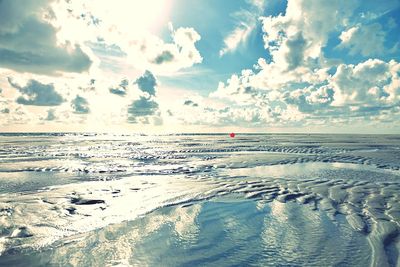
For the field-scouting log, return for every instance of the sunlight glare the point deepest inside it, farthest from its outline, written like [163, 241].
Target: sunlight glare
[137, 15]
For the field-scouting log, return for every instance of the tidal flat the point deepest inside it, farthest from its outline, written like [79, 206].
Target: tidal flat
[75, 199]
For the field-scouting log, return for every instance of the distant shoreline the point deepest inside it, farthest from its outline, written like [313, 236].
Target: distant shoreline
[184, 134]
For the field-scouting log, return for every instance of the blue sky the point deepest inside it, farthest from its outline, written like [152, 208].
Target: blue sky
[200, 66]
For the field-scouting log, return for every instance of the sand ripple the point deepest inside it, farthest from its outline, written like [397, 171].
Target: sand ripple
[54, 188]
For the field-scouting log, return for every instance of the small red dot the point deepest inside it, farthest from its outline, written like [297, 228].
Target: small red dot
[232, 135]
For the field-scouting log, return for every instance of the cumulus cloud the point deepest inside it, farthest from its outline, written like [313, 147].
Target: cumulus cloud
[12, 113]
[80, 105]
[5, 110]
[306, 26]
[309, 100]
[37, 94]
[147, 83]
[150, 52]
[369, 82]
[121, 89]
[367, 89]
[367, 40]
[28, 43]
[143, 107]
[296, 46]
[190, 103]
[119, 34]
[295, 84]
[145, 110]
[298, 84]
[239, 89]
[84, 99]
[50, 115]
[122, 30]
[164, 57]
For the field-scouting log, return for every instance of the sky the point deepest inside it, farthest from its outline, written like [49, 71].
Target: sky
[165, 66]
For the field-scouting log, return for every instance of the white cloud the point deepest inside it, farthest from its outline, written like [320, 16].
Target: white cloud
[369, 89]
[37, 94]
[28, 43]
[94, 98]
[116, 20]
[246, 23]
[322, 95]
[347, 35]
[165, 58]
[130, 26]
[367, 40]
[259, 4]
[306, 25]
[74, 100]
[296, 86]
[238, 36]
[370, 82]
[121, 88]
[80, 105]
[147, 83]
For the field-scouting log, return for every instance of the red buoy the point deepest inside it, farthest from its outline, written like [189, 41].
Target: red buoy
[232, 135]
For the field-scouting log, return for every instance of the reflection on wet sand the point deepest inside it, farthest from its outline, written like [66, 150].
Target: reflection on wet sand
[199, 200]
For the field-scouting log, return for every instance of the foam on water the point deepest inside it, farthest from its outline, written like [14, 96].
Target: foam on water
[66, 192]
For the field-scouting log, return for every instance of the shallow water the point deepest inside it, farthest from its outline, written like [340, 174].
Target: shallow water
[187, 200]
[219, 233]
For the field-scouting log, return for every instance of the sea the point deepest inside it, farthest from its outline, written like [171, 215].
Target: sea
[91, 199]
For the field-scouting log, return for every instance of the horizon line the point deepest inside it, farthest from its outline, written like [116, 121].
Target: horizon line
[191, 133]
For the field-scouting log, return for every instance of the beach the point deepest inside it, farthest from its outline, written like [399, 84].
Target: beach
[199, 199]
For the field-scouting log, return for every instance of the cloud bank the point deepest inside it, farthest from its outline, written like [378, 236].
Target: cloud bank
[28, 43]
